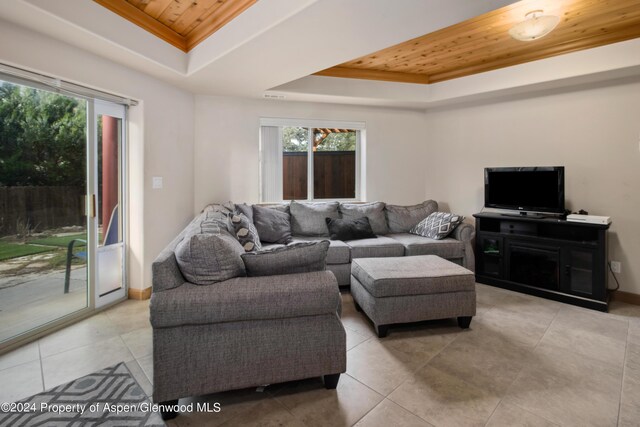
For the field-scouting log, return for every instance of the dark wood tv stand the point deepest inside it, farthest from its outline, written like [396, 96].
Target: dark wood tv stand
[547, 257]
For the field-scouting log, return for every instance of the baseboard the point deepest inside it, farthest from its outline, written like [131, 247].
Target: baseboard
[140, 294]
[628, 297]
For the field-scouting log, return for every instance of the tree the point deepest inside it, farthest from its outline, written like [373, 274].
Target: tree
[42, 138]
[295, 138]
[338, 141]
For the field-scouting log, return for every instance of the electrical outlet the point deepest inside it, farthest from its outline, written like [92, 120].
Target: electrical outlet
[616, 266]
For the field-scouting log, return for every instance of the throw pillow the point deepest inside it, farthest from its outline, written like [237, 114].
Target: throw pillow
[374, 211]
[225, 208]
[290, 259]
[350, 229]
[245, 209]
[308, 219]
[273, 225]
[402, 218]
[246, 233]
[438, 225]
[208, 222]
[204, 259]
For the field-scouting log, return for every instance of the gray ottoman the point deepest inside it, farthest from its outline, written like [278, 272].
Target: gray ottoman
[412, 289]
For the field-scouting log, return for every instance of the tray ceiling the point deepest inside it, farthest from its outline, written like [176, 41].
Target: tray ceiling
[483, 43]
[182, 23]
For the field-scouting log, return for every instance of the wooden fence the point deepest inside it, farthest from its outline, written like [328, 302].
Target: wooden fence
[334, 175]
[40, 208]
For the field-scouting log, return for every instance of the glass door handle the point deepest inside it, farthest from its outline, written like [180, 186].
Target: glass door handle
[92, 206]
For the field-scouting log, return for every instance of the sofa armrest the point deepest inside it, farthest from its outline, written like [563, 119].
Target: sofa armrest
[165, 273]
[247, 298]
[464, 232]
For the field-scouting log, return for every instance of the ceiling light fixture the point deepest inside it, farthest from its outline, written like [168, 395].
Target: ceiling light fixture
[534, 26]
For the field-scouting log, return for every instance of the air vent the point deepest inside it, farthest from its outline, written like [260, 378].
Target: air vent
[273, 96]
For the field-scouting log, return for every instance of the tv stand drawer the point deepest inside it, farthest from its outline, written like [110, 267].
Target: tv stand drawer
[518, 227]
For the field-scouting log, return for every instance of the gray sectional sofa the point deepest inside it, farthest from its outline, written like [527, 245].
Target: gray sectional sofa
[235, 332]
[393, 240]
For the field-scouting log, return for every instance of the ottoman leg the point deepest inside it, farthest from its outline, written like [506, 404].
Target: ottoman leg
[382, 330]
[464, 321]
[169, 414]
[331, 381]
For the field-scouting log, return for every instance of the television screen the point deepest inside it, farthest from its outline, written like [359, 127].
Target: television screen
[537, 189]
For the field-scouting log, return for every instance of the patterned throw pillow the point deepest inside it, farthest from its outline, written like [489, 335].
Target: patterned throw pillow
[438, 225]
[246, 232]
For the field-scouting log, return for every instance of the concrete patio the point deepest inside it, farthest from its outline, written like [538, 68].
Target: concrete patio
[33, 299]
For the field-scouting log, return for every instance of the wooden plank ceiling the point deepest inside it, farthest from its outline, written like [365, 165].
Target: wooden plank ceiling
[183, 23]
[483, 43]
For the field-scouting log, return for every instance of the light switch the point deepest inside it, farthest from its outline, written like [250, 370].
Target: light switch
[157, 182]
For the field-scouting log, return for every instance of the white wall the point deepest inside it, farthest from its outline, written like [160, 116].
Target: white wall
[227, 152]
[593, 131]
[161, 137]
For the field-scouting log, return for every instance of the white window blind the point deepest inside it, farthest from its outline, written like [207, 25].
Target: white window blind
[271, 164]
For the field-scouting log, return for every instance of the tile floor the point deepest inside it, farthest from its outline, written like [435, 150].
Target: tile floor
[525, 361]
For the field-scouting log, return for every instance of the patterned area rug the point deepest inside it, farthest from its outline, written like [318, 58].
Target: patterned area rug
[110, 397]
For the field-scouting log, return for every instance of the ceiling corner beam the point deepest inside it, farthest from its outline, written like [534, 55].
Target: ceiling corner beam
[387, 76]
[228, 11]
[141, 19]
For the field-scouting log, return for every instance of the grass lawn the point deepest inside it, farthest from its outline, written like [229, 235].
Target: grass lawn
[61, 241]
[9, 250]
[12, 249]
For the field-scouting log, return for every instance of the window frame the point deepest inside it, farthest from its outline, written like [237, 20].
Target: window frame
[359, 127]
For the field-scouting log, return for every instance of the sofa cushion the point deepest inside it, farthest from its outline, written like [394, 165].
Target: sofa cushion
[282, 207]
[342, 273]
[402, 218]
[204, 259]
[417, 245]
[381, 246]
[246, 298]
[246, 232]
[438, 225]
[416, 275]
[295, 258]
[350, 229]
[339, 252]
[309, 219]
[273, 225]
[374, 211]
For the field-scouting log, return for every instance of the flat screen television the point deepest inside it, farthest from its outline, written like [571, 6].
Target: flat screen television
[528, 189]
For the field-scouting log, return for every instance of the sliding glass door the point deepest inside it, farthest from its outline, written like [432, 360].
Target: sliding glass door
[62, 228]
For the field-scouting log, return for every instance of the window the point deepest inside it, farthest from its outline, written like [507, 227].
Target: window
[310, 161]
